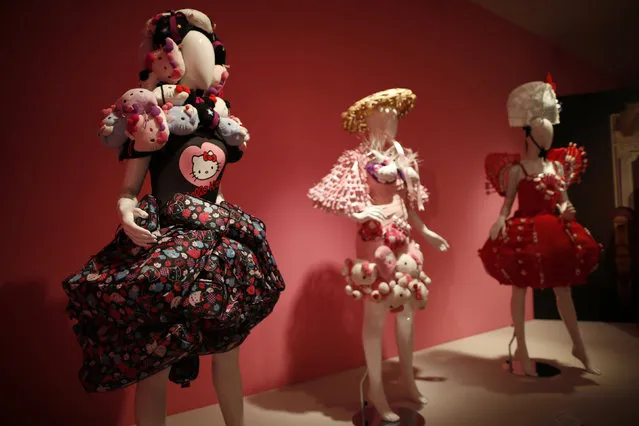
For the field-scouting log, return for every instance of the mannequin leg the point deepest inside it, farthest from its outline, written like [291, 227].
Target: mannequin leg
[518, 312]
[227, 380]
[566, 308]
[405, 332]
[150, 400]
[374, 316]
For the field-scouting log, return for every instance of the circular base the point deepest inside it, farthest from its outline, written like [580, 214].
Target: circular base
[544, 370]
[370, 417]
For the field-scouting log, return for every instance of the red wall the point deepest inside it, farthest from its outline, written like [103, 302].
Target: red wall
[294, 69]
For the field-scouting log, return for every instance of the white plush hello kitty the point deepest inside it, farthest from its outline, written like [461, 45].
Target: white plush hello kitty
[204, 166]
[363, 279]
[360, 276]
[397, 297]
[419, 294]
[171, 93]
[407, 270]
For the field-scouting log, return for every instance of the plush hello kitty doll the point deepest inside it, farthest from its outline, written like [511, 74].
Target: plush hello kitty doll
[360, 276]
[175, 94]
[406, 270]
[397, 298]
[112, 129]
[230, 128]
[182, 120]
[363, 279]
[136, 101]
[164, 65]
[148, 131]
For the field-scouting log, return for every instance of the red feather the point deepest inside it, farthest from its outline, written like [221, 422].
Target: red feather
[552, 83]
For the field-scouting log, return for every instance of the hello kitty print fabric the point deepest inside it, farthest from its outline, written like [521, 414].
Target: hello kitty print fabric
[209, 280]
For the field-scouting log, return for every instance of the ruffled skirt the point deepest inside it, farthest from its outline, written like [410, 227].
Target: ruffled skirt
[541, 251]
[207, 282]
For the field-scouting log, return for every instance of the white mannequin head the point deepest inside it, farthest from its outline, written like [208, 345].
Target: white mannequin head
[199, 46]
[541, 129]
[382, 127]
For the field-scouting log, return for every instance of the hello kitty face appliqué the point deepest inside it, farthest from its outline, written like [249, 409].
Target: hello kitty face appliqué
[202, 163]
[204, 166]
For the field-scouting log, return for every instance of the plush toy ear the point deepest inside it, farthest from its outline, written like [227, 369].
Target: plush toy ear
[131, 124]
[167, 106]
[144, 75]
[148, 60]
[169, 45]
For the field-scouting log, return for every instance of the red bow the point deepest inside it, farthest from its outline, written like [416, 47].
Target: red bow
[209, 156]
[552, 84]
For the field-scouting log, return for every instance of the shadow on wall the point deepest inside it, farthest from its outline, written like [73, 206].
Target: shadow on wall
[324, 337]
[40, 362]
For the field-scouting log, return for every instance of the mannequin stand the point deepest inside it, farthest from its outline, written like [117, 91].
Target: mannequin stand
[368, 415]
[543, 370]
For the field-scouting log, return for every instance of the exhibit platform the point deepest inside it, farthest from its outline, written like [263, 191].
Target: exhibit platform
[467, 385]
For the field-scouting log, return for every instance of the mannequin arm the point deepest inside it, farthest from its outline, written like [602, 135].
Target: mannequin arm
[514, 177]
[565, 206]
[134, 175]
[433, 238]
[220, 196]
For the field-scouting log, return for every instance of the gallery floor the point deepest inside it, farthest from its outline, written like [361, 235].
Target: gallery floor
[467, 385]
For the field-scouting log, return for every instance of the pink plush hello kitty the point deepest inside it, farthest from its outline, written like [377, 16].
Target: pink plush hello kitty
[164, 65]
[149, 131]
[136, 101]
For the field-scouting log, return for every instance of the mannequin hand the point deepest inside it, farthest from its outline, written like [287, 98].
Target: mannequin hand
[438, 242]
[567, 210]
[370, 213]
[128, 212]
[499, 228]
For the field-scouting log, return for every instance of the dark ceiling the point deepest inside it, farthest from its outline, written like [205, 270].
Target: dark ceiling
[602, 32]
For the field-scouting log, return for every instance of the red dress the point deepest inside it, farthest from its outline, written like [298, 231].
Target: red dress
[541, 249]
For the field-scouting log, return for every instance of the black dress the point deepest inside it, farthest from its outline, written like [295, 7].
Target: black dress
[207, 282]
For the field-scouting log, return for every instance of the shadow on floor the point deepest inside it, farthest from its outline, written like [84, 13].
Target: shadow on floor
[40, 361]
[339, 403]
[489, 374]
[628, 328]
[325, 339]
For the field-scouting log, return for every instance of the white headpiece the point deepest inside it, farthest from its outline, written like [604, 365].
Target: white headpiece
[536, 99]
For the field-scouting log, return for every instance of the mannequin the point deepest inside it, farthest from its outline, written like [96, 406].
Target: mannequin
[541, 246]
[377, 185]
[188, 274]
